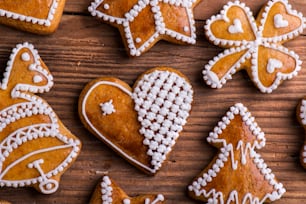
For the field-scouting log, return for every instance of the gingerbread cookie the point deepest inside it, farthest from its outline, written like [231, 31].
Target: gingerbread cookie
[142, 23]
[301, 115]
[237, 174]
[35, 148]
[36, 16]
[254, 45]
[108, 192]
[143, 123]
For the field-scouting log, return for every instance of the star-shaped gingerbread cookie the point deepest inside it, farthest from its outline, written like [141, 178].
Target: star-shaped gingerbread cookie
[108, 192]
[144, 22]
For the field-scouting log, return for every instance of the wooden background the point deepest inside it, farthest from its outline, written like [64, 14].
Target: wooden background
[83, 49]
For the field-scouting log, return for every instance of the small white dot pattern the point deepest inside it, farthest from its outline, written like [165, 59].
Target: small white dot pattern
[163, 102]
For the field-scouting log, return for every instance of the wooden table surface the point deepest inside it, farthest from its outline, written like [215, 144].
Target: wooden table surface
[83, 49]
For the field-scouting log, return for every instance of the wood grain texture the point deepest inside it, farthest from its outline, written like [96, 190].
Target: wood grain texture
[83, 49]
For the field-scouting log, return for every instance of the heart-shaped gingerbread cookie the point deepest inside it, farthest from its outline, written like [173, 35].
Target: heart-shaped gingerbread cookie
[37, 16]
[143, 123]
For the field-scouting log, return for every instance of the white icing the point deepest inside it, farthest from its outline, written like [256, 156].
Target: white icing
[273, 64]
[160, 124]
[106, 6]
[302, 111]
[106, 190]
[31, 19]
[157, 199]
[160, 25]
[126, 201]
[227, 152]
[37, 79]
[25, 57]
[236, 27]
[252, 47]
[280, 22]
[33, 105]
[163, 102]
[138, 40]
[108, 108]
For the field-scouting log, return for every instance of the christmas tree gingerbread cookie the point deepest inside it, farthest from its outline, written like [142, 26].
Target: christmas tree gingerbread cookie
[142, 23]
[141, 123]
[36, 16]
[108, 192]
[237, 174]
[254, 45]
[35, 147]
[301, 115]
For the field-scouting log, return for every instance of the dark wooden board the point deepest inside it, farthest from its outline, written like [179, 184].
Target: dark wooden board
[83, 49]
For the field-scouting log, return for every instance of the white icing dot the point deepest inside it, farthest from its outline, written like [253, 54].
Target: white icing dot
[138, 40]
[106, 6]
[25, 57]
[37, 79]
[186, 29]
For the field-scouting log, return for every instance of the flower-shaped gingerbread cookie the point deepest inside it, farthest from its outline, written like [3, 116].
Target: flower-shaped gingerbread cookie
[36, 16]
[143, 123]
[254, 45]
[108, 192]
[144, 22]
[35, 147]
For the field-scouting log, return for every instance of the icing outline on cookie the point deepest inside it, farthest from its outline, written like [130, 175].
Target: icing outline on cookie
[45, 22]
[34, 105]
[251, 47]
[106, 190]
[226, 152]
[160, 27]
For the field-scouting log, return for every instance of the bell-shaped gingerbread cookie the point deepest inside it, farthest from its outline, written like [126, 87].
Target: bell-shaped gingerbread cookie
[108, 192]
[35, 147]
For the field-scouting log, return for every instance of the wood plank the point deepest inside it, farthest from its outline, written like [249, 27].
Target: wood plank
[83, 49]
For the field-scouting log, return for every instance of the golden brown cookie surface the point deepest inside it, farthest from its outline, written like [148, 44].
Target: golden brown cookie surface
[36, 16]
[254, 45]
[108, 192]
[237, 174]
[143, 23]
[36, 148]
[140, 123]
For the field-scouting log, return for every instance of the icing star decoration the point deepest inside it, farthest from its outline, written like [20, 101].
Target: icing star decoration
[144, 22]
[254, 45]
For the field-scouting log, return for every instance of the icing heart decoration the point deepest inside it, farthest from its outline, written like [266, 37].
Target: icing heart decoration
[143, 123]
[273, 64]
[108, 192]
[37, 16]
[251, 44]
[236, 27]
[280, 22]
